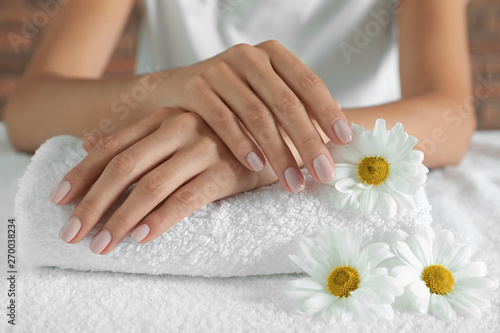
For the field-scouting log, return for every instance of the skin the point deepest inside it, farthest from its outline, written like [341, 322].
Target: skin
[434, 69]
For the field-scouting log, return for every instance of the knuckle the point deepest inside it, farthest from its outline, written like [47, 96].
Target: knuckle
[248, 53]
[88, 206]
[288, 105]
[121, 165]
[152, 184]
[208, 143]
[271, 44]
[220, 68]
[109, 144]
[160, 220]
[117, 223]
[310, 80]
[195, 85]
[242, 146]
[257, 115]
[185, 199]
[221, 117]
[187, 121]
[311, 143]
[78, 170]
[242, 49]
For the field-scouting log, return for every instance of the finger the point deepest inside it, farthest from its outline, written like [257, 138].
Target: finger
[291, 114]
[90, 140]
[121, 172]
[85, 173]
[153, 188]
[203, 189]
[225, 124]
[311, 90]
[260, 123]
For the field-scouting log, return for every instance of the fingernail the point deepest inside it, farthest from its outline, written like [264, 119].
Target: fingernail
[294, 180]
[100, 241]
[323, 168]
[343, 131]
[140, 232]
[60, 192]
[70, 229]
[254, 161]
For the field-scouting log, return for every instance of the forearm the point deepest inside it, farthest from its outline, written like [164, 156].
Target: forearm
[442, 124]
[44, 106]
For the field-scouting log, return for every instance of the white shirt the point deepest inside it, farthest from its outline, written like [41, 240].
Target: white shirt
[351, 45]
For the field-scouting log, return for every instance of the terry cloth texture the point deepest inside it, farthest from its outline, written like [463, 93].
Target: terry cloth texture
[251, 233]
[464, 199]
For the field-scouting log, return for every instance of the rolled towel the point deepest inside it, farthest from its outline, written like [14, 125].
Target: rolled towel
[250, 233]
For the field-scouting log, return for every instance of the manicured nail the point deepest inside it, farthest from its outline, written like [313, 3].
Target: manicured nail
[100, 241]
[323, 168]
[294, 180]
[343, 131]
[70, 229]
[60, 192]
[254, 161]
[140, 232]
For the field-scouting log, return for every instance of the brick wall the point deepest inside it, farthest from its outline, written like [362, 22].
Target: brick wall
[484, 34]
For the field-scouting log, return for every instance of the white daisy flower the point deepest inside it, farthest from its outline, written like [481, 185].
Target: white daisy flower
[439, 277]
[345, 283]
[378, 170]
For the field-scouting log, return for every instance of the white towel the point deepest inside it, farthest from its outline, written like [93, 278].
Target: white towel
[250, 233]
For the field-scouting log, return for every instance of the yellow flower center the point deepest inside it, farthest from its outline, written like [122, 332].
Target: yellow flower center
[343, 280]
[373, 170]
[438, 279]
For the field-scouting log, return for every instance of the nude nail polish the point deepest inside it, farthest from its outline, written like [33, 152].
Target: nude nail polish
[254, 161]
[100, 241]
[294, 180]
[324, 169]
[139, 233]
[60, 192]
[70, 229]
[343, 131]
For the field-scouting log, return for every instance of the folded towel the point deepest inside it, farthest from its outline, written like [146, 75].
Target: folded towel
[250, 233]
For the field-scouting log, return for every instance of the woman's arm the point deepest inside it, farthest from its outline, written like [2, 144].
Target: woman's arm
[437, 101]
[60, 91]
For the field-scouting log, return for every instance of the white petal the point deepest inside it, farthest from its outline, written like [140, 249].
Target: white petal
[440, 307]
[464, 306]
[476, 283]
[383, 310]
[387, 205]
[376, 253]
[422, 296]
[421, 249]
[344, 170]
[405, 274]
[368, 201]
[472, 268]
[306, 283]
[297, 294]
[461, 255]
[317, 302]
[443, 248]
[345, 185]
[404, 253]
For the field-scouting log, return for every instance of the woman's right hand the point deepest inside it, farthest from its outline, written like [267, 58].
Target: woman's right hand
[248, 93]
[179, 165]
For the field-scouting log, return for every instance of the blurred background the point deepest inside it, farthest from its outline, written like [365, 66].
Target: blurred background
[484, 36]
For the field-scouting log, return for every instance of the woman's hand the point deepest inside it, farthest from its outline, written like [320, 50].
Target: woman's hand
[248, 92]
[179, 165]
